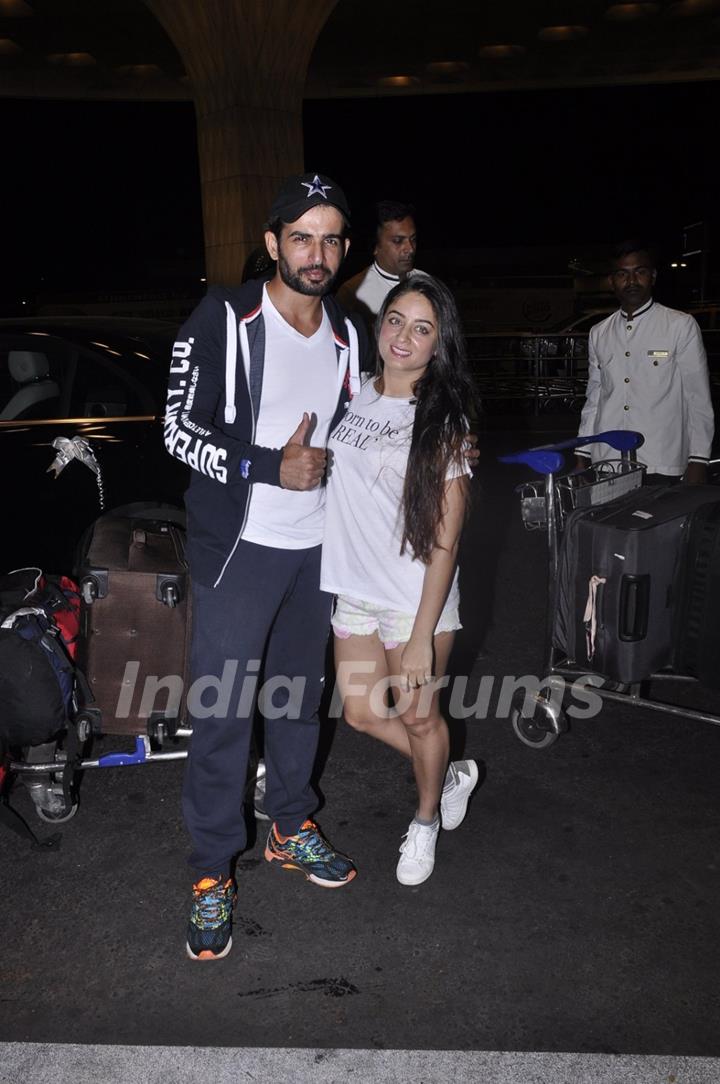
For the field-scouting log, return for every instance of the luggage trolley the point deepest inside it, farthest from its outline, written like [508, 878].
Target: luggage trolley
[50, 770]
[545, 504]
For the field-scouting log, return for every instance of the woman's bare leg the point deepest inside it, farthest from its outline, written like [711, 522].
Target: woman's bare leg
[419, 732]
[426, 729]
[356, 688]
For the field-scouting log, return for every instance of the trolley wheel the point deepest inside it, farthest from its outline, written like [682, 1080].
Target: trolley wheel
[85, 726]
[541, 729]
[255, 790]
[59, 816]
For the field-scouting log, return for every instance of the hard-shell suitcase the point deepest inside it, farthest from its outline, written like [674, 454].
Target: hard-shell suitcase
[617, 580]
[135, 624]
[697, 612]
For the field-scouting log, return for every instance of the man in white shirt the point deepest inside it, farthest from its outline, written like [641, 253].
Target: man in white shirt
[394, 259]
[260, 374]
[647, 371]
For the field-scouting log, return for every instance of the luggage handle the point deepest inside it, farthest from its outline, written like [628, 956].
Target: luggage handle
[634, 608]
[140, 537]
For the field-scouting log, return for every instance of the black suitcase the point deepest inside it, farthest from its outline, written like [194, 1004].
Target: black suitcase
[697, 613]
[135, 621]
[618, 576]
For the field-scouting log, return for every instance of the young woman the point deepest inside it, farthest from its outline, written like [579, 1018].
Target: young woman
[397, 492]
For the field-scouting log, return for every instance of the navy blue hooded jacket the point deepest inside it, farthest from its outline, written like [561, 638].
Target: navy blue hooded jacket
[213, 401]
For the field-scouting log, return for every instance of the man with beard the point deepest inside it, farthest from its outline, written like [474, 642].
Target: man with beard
[647, 371]
[260, 374]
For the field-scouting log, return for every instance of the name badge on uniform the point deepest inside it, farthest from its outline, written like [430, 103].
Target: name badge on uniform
[658, 353]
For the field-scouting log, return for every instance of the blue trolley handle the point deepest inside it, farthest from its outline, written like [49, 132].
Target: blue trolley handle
[548, 458]
[121, 760]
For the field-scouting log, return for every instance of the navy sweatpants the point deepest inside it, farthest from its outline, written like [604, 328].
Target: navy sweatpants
[268, 610]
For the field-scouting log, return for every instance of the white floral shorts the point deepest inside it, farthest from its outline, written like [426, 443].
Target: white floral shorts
[355, 618]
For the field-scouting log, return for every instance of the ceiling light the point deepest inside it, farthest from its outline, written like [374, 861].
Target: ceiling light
[447, 69]
[8, 47]
[140, 70]
[626, 13]
[398, 81]
[562, 33]
[73, 60]
[15, 9]
[694, 7]
[500, 52]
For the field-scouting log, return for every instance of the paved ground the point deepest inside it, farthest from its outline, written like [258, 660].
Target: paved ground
[575, 910]
[86, 1064]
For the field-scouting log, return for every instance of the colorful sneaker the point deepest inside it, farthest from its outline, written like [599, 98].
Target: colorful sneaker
[417, 853]
[210, 925]
[311, 853]
[460, 781]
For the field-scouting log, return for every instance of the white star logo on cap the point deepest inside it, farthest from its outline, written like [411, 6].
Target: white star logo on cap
[316, 188]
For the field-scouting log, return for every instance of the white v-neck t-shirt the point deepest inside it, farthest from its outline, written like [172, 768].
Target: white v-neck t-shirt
[299, 374]
[361, 556]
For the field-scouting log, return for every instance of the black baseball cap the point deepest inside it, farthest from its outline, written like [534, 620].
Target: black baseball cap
[303, 191]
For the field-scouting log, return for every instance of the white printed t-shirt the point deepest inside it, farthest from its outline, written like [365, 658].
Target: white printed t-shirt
[299, 374]
[361, 556]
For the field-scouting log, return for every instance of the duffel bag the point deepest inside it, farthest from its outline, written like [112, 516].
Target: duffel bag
[39, 626]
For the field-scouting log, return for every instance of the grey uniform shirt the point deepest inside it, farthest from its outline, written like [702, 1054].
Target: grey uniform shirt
[648, 372]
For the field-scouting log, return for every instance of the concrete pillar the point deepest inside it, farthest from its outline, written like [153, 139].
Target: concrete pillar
[247, 61]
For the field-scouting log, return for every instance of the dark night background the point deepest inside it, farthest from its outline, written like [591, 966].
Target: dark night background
[104, 195]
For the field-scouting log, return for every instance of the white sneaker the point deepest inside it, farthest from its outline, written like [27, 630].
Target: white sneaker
[456, 793]
[417, 853]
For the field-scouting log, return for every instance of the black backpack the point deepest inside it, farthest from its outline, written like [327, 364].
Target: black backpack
[39, 621]
[39, 683]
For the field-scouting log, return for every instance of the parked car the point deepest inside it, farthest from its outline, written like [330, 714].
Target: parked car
[581, 325]
[100, 378]
[571, 340]
[707, 314]
[568, 342]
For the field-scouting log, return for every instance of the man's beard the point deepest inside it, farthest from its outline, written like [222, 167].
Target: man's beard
[296, 282]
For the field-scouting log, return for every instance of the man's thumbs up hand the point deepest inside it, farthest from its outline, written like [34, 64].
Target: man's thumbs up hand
[300, 434]
[302, 467]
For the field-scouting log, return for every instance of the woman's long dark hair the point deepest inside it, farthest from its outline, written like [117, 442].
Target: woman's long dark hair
[444, 397]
